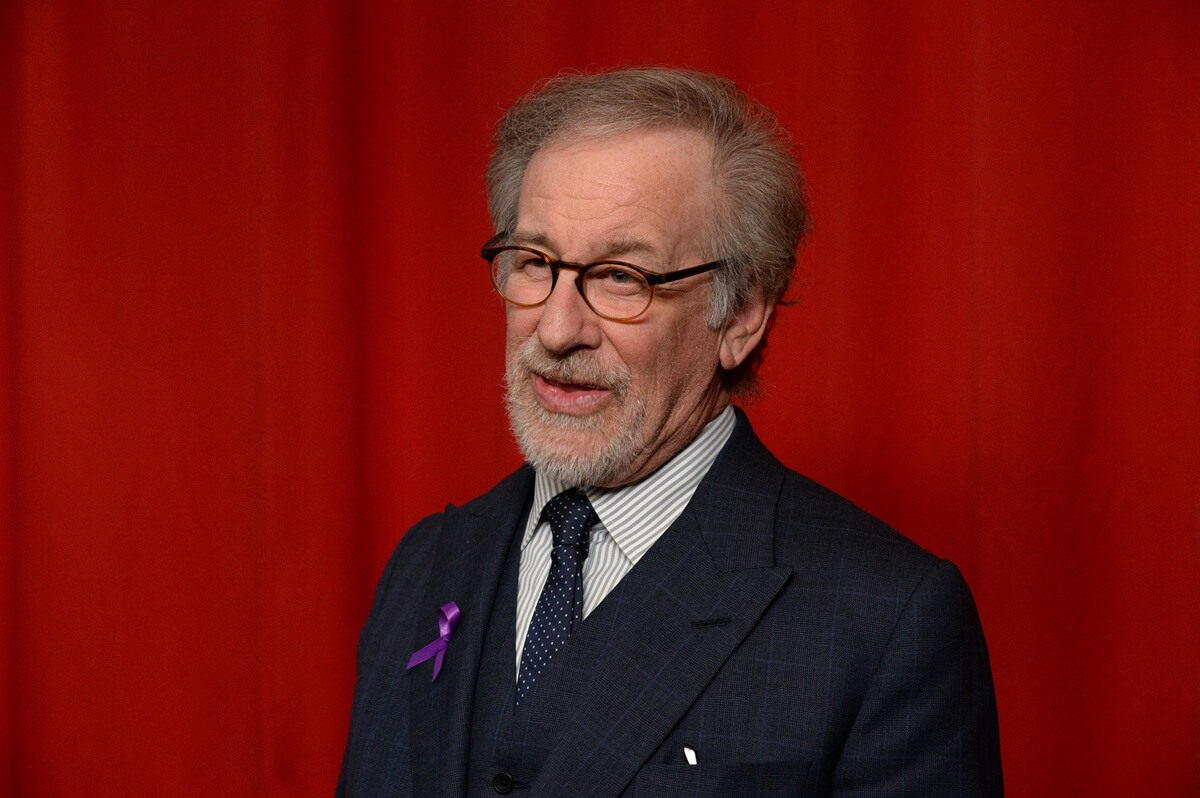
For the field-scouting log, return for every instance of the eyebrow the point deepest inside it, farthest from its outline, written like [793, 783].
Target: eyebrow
[613, 248]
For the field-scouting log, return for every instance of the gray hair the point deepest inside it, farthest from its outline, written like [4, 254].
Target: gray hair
[761, 216]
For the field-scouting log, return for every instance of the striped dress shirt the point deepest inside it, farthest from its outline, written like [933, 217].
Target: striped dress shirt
[632, 518]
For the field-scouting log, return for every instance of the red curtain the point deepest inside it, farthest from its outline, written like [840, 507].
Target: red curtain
[249, 341]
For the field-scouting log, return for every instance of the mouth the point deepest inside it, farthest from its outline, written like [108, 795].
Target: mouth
[571, 398]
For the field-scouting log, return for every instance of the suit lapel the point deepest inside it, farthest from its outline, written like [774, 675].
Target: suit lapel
[467, 568]
[660, 637]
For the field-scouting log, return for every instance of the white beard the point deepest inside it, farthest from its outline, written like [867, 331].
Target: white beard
[575, 451]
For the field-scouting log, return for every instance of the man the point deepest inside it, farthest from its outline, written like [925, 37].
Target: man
[654, 605]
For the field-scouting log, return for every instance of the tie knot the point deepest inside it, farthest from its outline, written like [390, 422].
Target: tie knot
[571, 516]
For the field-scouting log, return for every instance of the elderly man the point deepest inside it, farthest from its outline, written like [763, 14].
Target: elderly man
[654, 605]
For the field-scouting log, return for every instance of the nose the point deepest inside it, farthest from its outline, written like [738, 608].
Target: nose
[567, 323]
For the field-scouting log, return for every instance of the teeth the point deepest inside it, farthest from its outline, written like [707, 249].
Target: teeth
[579, 386]
[569, 385]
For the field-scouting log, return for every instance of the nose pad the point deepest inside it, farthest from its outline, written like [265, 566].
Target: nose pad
[566, 282]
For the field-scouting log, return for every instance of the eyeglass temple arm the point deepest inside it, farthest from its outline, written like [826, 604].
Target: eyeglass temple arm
[654, 278]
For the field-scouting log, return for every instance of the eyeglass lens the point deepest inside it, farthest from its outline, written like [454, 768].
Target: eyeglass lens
[524, 277]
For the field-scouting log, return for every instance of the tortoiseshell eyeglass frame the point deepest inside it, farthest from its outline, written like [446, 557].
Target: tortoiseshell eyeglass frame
[493, 248]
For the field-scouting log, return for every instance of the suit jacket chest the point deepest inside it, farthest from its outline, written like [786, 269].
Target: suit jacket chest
[628, 675]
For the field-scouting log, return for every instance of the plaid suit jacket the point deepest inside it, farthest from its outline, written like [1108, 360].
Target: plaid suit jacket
[798, 645]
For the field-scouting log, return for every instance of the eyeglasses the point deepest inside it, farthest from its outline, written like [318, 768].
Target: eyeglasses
[614, 290]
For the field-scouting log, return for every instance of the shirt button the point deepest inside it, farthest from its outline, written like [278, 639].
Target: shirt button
[502, 783]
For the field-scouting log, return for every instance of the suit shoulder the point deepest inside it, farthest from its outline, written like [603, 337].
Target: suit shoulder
[502, 495]
[414, 557]
[497, 498]
[815, 524]
[863, 571]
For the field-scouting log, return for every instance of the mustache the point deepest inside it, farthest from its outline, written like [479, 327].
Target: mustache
[578, 367]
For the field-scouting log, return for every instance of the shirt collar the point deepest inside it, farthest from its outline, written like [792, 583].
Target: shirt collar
[627, 512]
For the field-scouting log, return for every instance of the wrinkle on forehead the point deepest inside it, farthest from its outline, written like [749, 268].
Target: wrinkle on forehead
[648, 192]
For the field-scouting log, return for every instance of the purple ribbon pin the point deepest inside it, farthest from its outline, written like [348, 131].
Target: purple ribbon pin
[448, 616]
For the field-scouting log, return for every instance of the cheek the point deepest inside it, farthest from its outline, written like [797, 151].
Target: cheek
[632, 350]
[684, 364]
[520, 322]
[663, 370]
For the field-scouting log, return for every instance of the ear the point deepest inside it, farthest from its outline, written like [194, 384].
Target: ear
[744, 331]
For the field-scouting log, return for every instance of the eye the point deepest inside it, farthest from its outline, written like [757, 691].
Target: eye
[617, 279]
[529, 263]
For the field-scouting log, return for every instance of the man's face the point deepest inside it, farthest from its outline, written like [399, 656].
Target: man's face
[594, 401]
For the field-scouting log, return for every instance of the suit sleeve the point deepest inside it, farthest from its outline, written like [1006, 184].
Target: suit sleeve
[928, 725]
[403, 568]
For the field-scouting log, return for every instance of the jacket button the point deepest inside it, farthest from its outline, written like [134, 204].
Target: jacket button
[502, 783]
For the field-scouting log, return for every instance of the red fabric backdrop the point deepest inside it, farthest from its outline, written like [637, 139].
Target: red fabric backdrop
[249, 340]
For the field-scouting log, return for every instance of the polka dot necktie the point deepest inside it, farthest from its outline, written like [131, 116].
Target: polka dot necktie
[560, 607]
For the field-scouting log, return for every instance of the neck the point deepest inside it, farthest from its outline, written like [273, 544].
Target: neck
[664, 444]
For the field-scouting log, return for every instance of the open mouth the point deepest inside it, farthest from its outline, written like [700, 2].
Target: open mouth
[574, 398]
[571, 386]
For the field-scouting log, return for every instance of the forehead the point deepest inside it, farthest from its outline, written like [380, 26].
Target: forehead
[645, 190]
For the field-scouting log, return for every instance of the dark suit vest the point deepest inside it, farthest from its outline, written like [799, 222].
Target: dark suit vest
[510, 743]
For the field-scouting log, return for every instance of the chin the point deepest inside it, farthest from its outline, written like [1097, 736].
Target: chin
[595, 449]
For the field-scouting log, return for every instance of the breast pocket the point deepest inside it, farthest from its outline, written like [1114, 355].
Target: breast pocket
[751, 779]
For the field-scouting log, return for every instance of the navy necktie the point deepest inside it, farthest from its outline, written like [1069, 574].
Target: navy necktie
[560, 607]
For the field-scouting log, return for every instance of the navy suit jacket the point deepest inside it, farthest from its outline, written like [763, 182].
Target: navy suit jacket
[799, 645]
